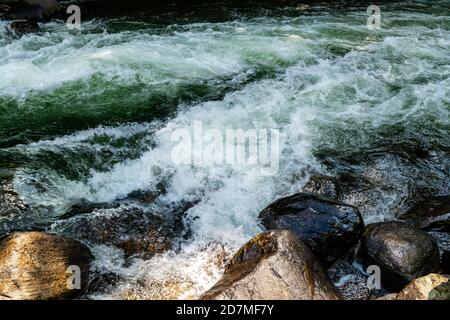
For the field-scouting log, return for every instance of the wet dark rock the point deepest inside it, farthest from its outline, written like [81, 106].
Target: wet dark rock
[430, 214]
[433, 215]
[23, 26]
[31, 10]
[131, 229]
[323, 185]
[402, 252]
[273, 265]
[35, 265]
[328, 227]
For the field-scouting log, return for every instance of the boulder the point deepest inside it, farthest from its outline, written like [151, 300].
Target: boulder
[402, 252]
[328, 227]
[430, 287]
[134, 231]
[273, 265]
[35, 265]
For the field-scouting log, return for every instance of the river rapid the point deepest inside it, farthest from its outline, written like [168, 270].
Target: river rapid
[86, 117]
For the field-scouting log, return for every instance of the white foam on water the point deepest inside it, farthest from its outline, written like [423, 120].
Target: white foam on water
[314, 105]
[165, 276]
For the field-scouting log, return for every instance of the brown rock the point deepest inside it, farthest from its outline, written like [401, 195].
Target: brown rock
[431, 287]
[273, 265]
[323, 185]
[34, 265]
[132, 230]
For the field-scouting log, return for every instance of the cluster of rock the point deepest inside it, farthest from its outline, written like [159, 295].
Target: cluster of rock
[309, 251]
[35, 265]
[309, 233]
[274, 265]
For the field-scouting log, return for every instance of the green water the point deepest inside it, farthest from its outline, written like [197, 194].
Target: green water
[85, 116]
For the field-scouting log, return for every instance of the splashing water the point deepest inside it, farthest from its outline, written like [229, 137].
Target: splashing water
[89, 117]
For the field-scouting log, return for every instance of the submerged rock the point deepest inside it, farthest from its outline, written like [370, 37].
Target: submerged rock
[15, 214]
[402, 252]
[273, 265]
[134, 231]
[101, 283]
[430, 287]
[328, 227]
[22, 27]
[35, 265]
[323, 185]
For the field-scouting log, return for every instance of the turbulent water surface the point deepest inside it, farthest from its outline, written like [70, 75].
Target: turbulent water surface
[86, 117]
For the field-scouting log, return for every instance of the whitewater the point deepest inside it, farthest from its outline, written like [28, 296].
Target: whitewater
[88, 116]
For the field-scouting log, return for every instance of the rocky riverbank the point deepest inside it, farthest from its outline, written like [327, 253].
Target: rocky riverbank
[307, 235]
